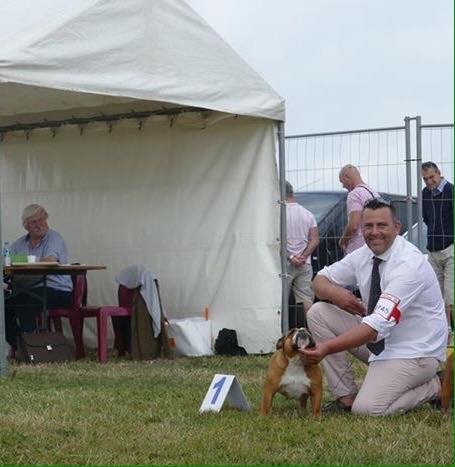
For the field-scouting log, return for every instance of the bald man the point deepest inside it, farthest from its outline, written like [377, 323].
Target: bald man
[359, 194]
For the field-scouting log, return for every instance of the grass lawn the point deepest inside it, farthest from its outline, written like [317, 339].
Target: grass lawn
[126, 412]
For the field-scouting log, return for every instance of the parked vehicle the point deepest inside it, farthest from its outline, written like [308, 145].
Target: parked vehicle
[414, 231]
[329, 209]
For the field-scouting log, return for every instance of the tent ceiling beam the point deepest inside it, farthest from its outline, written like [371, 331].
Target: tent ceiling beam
[109, 119]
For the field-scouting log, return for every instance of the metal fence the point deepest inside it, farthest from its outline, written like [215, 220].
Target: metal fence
[389, 160]
[437, 146]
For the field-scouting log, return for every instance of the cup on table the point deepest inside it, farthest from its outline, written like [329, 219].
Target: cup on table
[31, 259]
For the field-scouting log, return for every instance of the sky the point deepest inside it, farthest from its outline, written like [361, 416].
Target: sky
[345, 64]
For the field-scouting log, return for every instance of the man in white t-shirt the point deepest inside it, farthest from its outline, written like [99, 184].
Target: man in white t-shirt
[302, 239]
[399, 326]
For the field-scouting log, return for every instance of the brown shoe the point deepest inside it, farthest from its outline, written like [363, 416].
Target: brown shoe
[436, 402]
[336, 406]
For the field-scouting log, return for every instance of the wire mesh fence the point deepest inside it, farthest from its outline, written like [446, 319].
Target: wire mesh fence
[313, 162]
[437, 146]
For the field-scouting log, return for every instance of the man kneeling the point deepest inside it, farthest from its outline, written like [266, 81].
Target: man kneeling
[399, 326]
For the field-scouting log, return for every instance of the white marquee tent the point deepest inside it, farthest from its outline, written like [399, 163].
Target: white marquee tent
[149, 141]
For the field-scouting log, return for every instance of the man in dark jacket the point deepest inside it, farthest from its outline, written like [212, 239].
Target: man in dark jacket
[437, 199]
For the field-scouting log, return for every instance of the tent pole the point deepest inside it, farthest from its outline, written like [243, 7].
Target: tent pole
[283, 232]
[3, 359]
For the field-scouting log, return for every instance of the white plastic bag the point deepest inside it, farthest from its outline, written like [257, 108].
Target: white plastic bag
[192, 336]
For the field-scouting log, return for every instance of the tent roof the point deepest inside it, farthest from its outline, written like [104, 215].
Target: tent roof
[60, 57]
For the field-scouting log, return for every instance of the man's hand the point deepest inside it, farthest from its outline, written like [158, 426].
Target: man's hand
[294, 261]
[301, 259]
[297, 261]
[315, 354]
[349, 302]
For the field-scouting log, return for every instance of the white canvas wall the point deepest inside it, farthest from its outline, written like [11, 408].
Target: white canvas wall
[198, 206]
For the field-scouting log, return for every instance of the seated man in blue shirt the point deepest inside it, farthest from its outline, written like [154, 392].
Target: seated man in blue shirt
[47, 245]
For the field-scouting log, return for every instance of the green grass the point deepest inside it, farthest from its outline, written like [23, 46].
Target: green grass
[125, 412]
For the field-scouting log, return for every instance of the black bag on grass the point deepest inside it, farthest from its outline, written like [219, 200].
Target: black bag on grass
[226, 343]
[44, 346]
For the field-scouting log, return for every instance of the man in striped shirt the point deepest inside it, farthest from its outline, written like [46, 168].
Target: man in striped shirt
[359, 194]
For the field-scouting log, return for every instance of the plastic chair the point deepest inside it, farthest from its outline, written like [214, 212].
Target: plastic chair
[101, 313]
[73, 314]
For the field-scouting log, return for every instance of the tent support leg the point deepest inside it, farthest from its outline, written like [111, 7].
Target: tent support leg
[3, 356]
[283, 232]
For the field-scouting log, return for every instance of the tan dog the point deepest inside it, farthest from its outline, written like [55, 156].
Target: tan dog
[447, 385]
[288, 375]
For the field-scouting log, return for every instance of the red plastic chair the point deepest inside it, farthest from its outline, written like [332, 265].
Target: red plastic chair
[101, 313]
[72, 314]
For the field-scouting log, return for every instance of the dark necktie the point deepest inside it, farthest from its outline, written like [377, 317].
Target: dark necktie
[375, 293]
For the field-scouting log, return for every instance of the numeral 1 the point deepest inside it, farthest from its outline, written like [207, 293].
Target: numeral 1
[218, 385]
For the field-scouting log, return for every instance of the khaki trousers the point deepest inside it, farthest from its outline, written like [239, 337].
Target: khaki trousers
[442, 263]
[390, 386]
[300, 281]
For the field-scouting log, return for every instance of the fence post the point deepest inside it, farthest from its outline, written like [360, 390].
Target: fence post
[283, 230]
[419, 181]
[407, 126]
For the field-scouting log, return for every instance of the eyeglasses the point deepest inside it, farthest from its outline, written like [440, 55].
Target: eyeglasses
[376, 203]
[384, 201]
[37, 221]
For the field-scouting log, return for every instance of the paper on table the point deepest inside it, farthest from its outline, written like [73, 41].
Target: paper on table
[37, 263]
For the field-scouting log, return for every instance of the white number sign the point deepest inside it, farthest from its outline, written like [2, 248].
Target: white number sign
[224, 388]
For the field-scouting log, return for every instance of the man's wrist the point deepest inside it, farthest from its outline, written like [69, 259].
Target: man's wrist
[327, 347]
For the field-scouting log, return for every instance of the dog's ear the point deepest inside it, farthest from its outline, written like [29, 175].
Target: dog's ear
[291, 331]
[280, 342]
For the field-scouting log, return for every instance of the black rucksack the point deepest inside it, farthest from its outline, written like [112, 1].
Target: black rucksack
[226, 343]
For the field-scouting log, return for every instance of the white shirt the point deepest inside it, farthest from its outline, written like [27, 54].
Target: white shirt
[441, 185]
[299, 221]
[410, 292]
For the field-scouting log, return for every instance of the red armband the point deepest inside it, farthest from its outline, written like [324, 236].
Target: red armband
[395, 314]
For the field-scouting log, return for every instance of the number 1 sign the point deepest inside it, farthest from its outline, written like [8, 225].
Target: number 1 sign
[224, 388]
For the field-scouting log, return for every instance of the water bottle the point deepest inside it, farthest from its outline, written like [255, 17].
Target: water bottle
[6, 254]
